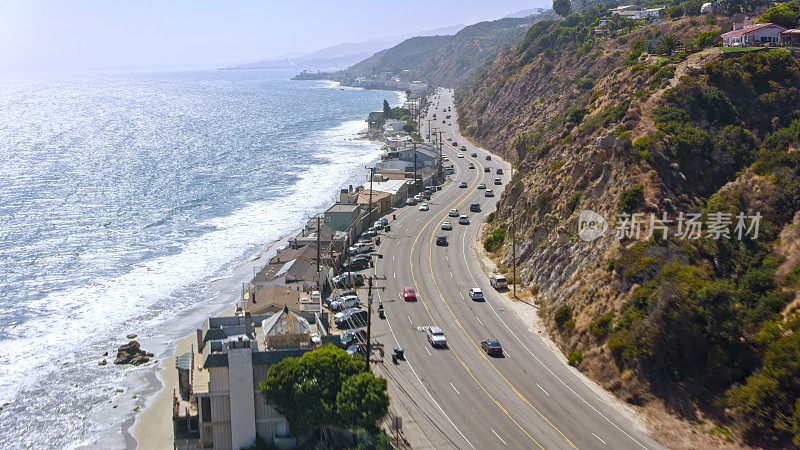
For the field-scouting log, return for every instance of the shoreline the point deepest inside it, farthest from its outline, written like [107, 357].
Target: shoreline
[152, 426]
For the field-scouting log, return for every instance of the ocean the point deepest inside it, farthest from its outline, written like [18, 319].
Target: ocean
[134, 203]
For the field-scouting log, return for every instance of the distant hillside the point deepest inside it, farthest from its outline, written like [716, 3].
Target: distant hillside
[448, 60]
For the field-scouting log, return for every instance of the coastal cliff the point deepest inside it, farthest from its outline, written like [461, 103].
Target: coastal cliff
[706, 326]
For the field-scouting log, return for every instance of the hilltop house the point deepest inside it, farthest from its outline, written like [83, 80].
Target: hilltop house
[758, 34]
[791, 36]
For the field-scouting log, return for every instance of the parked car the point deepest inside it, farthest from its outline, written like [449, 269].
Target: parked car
[424, 207]
[476, 294]
[487, 169]
[474, 207]
[408, 294]
[488, 193]
[441, 240]
[498, 281]
[499, 171]
[341, 294]
[463, 220]
[488, 157]
[498, 182]
[350, 337]
[436, 337]
[348, 279]
[410, 201]
[419, 198]
[463, 184]
[447, 226]
[357, 347]
[361, 247]
[481, 186]
[453, 213]
[492, 347]
[471, 166]
[351, 317]
[343, 303]
[356, 263]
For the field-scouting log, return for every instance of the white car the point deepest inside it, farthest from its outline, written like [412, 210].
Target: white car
[476, 294]
[411, 201]
[419, 197]
[453, 213]
[463, 220]
[424, 207]
[460, 155]
[343, 303]
[446, 225]
[436, 337]
[361, 247]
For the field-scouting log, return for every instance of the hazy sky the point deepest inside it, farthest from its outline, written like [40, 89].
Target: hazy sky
[78, 34]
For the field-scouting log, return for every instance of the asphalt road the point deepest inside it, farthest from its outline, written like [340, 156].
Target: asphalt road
[461, 397]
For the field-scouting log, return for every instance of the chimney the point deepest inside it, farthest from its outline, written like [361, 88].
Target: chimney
[248, 327]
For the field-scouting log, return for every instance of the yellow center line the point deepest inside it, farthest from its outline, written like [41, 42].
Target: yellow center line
[430, 265]
[460, 199]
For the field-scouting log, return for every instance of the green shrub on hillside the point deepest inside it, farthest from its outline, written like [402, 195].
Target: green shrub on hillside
[563, 319]
[785, 14]
[630, 199]
[708, 38]
[600, 326]
[573, 200]
[495, 239]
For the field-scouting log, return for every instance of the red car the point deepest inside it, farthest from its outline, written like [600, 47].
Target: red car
[409, 295]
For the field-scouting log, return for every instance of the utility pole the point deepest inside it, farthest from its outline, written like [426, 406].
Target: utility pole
[369, 318]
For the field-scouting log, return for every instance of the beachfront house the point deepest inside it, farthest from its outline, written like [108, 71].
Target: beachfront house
[298, 273]
[381, 202]
[236, 352]
[375, 120]
[751, 35]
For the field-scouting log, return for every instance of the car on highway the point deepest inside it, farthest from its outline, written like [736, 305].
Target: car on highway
[463, 184]
[445, 158]
[463, 220]
[351, 301]
[474, 207]
[384, 221]
[488, 193]
[481, 186]
[444, 121]
[462, 148]
[499, 171]
[453, 213]
[498, 181]
[408, 294]
[447, 226]
[441, 240]
[350, 337]
[455, 144]
[487, 169]
[474, 155]
[476, 294]
[488, 157]
[471, 166]
[410, 201]
[350, 318]
[361, 247]
[492, 347]
[436, 337]
[460, 155]
[498, 281]
[424, 207]
[449, 139]
[348, 279]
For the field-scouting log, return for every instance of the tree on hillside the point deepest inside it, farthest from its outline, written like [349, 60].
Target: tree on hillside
[668, 44]
[305, 389]
[387, 110]
[786, 15]
[562, 7]
[363, 401]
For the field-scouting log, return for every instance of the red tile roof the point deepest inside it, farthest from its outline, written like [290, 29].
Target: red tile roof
[751, 28]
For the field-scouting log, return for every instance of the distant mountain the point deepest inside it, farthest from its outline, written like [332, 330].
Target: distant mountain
[525, 13]
[342, 55]
[447, 60]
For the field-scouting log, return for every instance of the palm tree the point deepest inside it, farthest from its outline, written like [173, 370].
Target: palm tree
[668, 44]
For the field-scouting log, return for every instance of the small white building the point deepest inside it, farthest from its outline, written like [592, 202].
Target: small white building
[758, 34]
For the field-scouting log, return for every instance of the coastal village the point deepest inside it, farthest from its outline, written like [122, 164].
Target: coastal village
[288, 308]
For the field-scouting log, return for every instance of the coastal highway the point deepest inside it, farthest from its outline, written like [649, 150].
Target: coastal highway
[458, 396]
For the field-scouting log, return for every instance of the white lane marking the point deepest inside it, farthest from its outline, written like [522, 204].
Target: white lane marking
[461, 294]
[409, 319]
[498, 436]
[454, 388]
[393, 255]
[543, 389]
[479, 321]
[546, 367]
[391, 330]
[451, 274]
[429, 352]
[598, 438]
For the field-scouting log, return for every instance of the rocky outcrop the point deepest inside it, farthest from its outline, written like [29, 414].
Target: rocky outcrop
[131, 353]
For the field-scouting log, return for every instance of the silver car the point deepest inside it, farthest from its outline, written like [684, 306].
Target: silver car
[436, 337]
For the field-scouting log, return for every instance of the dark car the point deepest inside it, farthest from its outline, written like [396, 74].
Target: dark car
[487, 169]
[350, 337]
[356, 263]
[475, 207]
[455, 144]
[499, 171]
[474, 155]
[441, 240]
[488, 157]
[492, 347]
